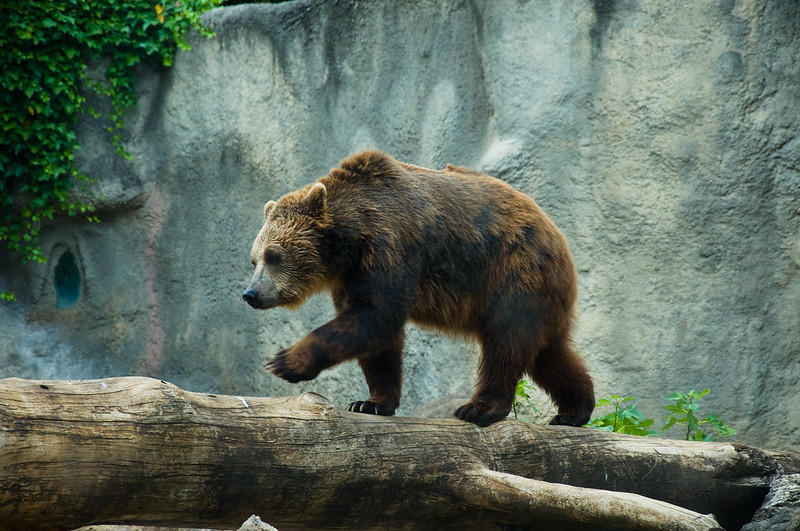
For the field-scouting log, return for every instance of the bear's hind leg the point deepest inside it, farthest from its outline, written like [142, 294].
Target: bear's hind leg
[501, 367]
[385, 379]
[560, 372]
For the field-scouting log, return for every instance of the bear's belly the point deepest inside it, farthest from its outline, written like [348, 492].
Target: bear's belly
[444, 310]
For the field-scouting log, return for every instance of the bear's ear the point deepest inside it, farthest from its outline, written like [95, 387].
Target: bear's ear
[268, 208]
[313, 204]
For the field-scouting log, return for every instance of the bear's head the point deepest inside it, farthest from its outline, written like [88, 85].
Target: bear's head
[286, 252]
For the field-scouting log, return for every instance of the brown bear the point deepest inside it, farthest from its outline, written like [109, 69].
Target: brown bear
[455, 250]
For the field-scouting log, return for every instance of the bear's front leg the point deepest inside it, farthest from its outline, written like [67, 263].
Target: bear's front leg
[352, 334]
[384, 379]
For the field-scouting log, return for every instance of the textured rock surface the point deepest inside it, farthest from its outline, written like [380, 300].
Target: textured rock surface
[781, 509]
[661, 138]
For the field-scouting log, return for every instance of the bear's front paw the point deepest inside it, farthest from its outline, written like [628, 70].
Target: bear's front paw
[284, 366]
[480, 413]
[373, 408]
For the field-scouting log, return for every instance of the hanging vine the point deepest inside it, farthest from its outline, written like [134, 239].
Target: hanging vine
[46, 47]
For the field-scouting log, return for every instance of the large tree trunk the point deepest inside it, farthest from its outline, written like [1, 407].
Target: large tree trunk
[142, 451]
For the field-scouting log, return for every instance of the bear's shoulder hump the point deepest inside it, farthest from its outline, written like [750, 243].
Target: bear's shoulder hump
[367, 165]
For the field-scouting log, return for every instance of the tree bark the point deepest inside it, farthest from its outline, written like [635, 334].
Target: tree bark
[142, 451]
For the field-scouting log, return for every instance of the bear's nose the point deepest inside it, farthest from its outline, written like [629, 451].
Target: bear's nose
[250, 296]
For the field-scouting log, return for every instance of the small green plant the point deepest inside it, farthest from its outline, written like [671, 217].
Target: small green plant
[625, 419]
[522, 399]
[683, 412]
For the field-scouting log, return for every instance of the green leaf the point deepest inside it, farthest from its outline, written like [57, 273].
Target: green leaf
[627, 420]
[720, 427]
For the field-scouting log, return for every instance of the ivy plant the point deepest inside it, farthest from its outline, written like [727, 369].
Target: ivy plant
[46, 47]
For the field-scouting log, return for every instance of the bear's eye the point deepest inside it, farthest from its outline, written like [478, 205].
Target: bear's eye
[272, 257]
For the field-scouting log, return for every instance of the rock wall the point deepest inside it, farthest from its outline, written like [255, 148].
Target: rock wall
[661, 137]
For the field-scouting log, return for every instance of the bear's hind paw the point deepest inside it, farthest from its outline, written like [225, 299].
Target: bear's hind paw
[570, 420]
[478, 412]
[372, 408]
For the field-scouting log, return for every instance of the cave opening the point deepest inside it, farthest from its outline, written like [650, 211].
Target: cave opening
[67, 280]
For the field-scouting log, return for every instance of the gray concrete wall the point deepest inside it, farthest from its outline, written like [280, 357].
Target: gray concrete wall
[661, 137]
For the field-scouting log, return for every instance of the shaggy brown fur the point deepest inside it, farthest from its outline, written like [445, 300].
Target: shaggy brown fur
[455, 250]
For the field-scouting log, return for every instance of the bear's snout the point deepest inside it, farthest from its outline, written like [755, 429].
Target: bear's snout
[250, 296]
[262, 294]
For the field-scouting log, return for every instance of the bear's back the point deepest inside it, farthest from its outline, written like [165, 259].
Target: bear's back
[455, 198]
[436, 205]
[459, 232]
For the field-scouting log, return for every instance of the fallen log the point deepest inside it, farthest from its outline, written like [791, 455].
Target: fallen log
[142, 451]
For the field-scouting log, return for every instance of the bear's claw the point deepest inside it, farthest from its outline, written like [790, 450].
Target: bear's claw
[372, 408]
